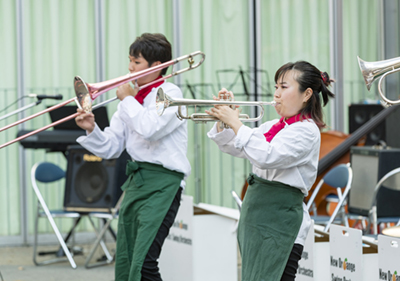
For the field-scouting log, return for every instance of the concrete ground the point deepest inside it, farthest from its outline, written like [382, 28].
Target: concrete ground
[16, 264]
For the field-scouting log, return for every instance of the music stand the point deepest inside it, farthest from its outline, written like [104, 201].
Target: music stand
[100, 113]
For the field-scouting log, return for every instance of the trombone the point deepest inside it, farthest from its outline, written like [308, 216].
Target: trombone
[163, 101]
[379, 69]
[86, 93]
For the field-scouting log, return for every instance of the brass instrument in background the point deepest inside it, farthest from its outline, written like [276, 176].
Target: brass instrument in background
[379, 69]
[86, 93]
[164, 101]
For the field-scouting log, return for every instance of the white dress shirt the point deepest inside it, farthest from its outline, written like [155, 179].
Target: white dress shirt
[146, 136]
[290, 158]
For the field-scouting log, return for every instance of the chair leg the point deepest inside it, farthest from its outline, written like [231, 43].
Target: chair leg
[35, 238]
[60, 240]
[102, 244]
[68, 256]
[344, 217]
[364, 225]
[71, 232]
[99, 241]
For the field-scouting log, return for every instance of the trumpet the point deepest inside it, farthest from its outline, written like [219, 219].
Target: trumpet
[163, 101]
[371, 71]
[86, 93]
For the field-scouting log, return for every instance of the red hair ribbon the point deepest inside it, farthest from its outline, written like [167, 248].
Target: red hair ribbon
[324, 77]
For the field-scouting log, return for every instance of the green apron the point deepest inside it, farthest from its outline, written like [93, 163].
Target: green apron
[149, 192]
[270, 220]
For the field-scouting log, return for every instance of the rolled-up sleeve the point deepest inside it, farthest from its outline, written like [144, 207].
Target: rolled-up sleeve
[145, 120]
[106, 144]
[243, 136]
[226, 141]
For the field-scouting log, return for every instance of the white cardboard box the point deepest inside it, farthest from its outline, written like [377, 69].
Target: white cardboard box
[314, 263]
[201, 244]
[318, 256]
[389, 258]
[348, 260]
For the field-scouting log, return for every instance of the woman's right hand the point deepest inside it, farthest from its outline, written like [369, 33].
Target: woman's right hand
[85, 120]
[224, 95]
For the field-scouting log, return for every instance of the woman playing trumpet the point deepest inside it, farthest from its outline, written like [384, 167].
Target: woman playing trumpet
[274, 221]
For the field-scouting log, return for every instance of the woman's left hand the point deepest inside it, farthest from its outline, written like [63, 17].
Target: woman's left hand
[227, 115]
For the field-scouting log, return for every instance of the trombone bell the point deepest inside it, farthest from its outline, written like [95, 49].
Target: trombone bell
[82, 94]
[87, 92]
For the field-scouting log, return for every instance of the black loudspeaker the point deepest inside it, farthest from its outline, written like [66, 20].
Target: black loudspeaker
[92, 183]
[392, 128]
[359, 114]
[369, 165]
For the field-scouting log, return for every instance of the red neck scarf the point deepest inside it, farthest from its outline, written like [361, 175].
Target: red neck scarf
[280, 125]
[145, 91]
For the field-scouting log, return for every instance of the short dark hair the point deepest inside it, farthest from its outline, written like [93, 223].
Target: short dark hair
[310, 77]
[153, 47]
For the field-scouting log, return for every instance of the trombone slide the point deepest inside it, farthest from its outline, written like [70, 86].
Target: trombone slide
[86, 92]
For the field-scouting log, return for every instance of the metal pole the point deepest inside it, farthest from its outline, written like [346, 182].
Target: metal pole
[336, 55]
[21, 93]
[100, 44]
[176, 16]
[255, 49]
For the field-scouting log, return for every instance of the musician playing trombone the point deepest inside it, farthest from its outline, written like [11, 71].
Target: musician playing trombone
[274, 221]
[157, 174]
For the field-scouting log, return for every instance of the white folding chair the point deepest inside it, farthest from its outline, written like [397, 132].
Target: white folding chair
[237, 199]
[384, 211]
[46, 173]
[340, 176]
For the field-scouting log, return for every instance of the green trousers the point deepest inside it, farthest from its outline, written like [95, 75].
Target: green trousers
[149, 192]
[269, 222]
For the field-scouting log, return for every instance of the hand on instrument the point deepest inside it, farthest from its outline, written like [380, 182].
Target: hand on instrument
[225, 113]
[85, 120]
[127, 90]
[225, 95]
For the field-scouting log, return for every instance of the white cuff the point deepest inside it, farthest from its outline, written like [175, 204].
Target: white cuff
[243, 136]
[89, 138]
[222, 136]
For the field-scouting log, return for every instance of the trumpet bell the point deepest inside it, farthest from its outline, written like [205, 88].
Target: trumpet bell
[366, 73]
[372, 71]
[161, 102]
